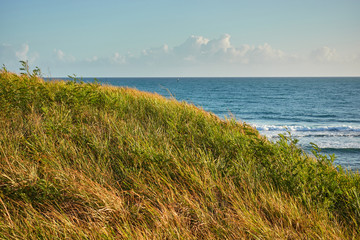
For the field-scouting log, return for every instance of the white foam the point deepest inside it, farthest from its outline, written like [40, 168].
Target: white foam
[337, 137]
[285, 128]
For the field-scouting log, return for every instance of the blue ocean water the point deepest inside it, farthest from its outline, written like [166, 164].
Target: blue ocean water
[325, 111]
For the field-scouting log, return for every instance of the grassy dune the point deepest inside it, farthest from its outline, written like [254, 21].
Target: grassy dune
[85, 161]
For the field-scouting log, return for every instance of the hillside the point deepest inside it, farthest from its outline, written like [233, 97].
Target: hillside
[100, 162]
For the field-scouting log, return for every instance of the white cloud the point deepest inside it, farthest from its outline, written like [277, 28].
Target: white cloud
[192, 46]
[265, 53]
[21, 54]
[323, 54]
[200, 50]
[10, 55]
[218, 45]
[60, 55]
[118, 58]
[155, 54]
[92, 59]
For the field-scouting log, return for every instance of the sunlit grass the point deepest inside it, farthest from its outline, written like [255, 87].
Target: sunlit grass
[89, 161]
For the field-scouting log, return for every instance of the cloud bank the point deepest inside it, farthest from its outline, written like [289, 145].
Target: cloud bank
[200, 50]
[196, 56]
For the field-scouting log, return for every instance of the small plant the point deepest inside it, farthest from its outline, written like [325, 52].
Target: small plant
[4, 69]
[75, 79]
[26, 70]
[321, 157]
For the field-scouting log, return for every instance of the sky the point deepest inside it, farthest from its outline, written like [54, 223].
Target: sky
[187, 38]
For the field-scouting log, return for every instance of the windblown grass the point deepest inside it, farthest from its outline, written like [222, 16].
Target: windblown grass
[88, 161]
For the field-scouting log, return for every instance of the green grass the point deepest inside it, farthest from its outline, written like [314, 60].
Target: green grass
[85, 161]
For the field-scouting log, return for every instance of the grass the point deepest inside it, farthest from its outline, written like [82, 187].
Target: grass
[85, 161]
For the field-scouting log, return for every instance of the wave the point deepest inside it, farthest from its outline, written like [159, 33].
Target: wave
[332, 134]
[348, 150]
[307, 129]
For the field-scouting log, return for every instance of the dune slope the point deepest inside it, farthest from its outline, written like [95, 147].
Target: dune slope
[89, 161]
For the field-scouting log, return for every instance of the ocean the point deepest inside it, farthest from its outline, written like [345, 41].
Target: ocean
[325, 111]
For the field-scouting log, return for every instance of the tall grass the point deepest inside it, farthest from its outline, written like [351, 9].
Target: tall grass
[89, 161]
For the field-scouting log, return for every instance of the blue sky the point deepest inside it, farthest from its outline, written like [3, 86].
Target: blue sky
[182, 38]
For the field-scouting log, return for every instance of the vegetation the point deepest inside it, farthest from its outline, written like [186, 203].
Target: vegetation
[89, 161]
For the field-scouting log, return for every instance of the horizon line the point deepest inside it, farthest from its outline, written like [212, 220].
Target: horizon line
[178, 77]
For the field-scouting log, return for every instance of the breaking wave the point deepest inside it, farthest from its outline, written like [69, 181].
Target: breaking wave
[307, 129]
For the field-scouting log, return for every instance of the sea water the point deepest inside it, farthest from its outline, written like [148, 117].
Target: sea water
[325, 111]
